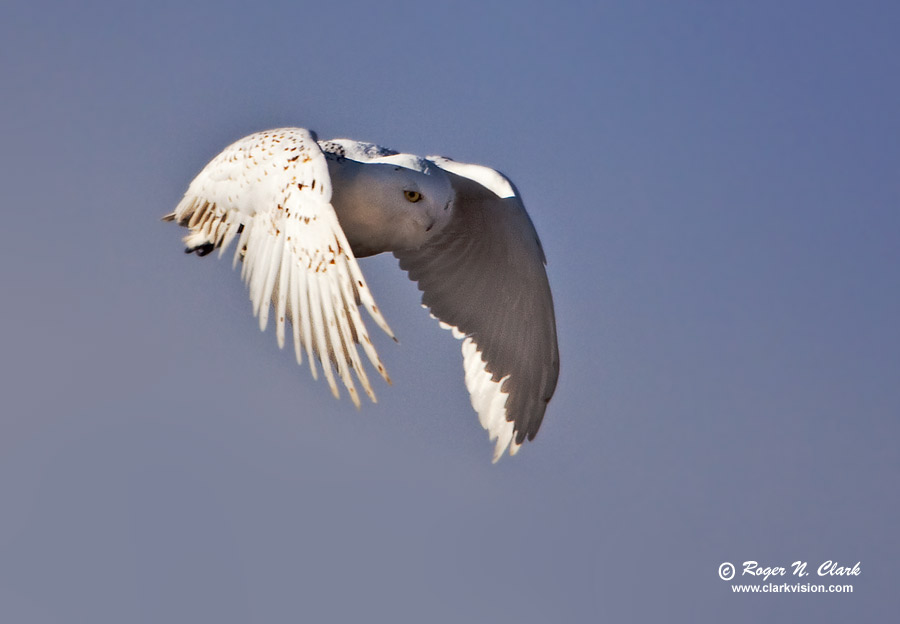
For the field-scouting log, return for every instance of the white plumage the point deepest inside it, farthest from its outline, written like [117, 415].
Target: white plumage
[303, 210]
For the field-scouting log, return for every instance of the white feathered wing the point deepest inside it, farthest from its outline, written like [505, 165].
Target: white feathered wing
[272, 191]
[483, 277]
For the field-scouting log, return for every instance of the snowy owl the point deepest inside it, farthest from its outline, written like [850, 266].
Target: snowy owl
[303, 210]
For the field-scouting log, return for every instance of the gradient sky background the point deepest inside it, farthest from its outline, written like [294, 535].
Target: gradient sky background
[717, 188]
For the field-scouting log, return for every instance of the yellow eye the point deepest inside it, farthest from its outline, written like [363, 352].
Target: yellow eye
[412, 196]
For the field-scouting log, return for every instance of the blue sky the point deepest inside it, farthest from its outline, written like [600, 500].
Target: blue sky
[716, 186]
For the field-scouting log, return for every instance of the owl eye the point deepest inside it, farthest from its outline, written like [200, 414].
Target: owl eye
[412, 196]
